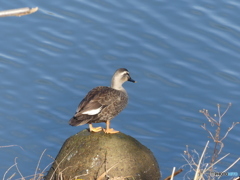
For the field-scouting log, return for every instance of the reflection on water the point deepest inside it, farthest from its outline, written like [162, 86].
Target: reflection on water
[183, 55]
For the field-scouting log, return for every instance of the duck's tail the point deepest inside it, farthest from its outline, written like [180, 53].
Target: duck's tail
[74, 121]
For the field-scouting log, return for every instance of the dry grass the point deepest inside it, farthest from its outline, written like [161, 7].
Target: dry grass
[203, 165]
[36, 176]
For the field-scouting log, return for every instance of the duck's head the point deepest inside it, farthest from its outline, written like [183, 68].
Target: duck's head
[120, 76]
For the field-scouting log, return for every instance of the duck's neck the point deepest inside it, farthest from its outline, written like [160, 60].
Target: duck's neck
[117, 86]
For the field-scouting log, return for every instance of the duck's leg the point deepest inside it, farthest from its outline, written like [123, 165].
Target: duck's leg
[109, 130]
[96, 129]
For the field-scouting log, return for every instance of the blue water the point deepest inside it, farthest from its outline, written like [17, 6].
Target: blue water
[184, 55]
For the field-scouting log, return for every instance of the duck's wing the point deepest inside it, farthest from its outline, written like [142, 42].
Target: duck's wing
[94, 102]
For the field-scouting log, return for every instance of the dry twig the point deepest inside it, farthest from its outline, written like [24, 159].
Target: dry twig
[18, 12]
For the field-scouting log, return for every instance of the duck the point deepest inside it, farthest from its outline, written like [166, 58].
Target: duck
[103, 103]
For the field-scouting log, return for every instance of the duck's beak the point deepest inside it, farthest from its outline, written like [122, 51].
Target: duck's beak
[131, 80]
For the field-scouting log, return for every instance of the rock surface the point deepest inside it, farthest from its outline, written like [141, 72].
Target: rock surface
[100, 156]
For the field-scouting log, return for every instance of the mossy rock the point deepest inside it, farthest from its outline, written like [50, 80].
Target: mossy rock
[100, 156]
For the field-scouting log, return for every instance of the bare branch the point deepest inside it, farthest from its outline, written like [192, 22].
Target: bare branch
[202, 168]
[216, 162]
[209, 118]
[204, 127]
[35, 175]
[197, 174]
[9, 170]
[219, 113]
[11, 146]
[18, 12]
[229, 105]
[18, 168]
[232, 165]
[229, 129]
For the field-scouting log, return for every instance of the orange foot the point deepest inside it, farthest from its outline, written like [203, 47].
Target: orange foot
[96, 129]
[110, 131]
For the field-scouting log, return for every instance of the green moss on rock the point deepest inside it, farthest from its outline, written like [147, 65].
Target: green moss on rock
[100, 156]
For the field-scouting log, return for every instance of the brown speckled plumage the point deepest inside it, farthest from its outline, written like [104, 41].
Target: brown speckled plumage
[100, 96]
[103, 102]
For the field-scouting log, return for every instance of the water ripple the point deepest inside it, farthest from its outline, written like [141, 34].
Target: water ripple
[183, 55]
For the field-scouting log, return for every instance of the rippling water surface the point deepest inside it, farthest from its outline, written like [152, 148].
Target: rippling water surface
[184, 55]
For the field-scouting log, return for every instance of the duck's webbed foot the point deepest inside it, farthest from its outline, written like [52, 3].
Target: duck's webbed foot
[109, 130]
[94, 129]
